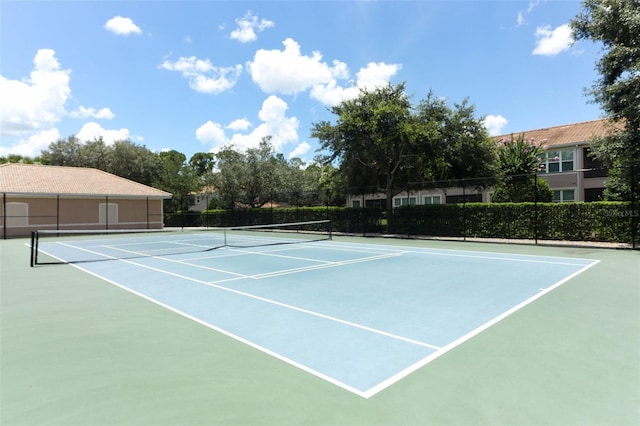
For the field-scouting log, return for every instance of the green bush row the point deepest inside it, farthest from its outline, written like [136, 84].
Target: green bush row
[600, 221]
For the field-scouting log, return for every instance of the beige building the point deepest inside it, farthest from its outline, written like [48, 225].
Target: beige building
[37, 197]
[571, 173]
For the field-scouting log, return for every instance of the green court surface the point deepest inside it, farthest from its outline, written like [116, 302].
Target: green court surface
[78, 350]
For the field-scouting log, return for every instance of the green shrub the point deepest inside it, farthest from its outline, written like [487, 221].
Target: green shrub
[598, 221]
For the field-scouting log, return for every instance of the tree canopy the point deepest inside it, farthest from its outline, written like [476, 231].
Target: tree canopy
[615, 24]
[382, 143]
[260, 175]
[519, 160]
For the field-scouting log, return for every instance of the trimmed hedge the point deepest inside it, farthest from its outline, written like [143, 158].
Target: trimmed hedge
[598, 221]
[348, 220]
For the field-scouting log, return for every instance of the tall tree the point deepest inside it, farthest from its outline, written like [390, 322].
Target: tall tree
[518, 162]
[202, 163]
[63, 152]
[616, 25]
[468, 150]
[262, 178]
[123, 158]
[132, 161]
[229, 179]
[383, 144]
[371, 140]
[176, 177]
[94, 154]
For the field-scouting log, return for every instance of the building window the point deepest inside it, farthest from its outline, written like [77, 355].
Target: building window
[355, 204]
[108, 213]
[404, 201]
[558, 161]
[594, 168]
[564, 195]
[593, 194]
[433, 199]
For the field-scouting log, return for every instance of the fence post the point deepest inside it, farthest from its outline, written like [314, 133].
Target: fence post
[634, 213]
[535, 207]
[464, 211]
[4, 215]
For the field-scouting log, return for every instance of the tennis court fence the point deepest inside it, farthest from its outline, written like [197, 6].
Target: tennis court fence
[451, 209]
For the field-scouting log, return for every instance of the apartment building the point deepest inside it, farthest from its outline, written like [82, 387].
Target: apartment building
[572, 174]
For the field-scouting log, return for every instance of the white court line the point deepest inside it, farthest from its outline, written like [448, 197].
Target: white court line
[383, 385]
[271, 301]
[323, 265]
[229, 334]
[285, 305]
[393, 379]
[532, 258]
[328, 265]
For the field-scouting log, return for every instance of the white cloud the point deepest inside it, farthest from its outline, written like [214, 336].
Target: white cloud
[32, 146]
[494, 124]
[521, 20]
[332, 94]
[240, 124]
[203, 76]
[274, 122]
[92, 131]
[247, 27]
[211, 132]
[290, 72]
[551, 42]
[300, 150]
[376, 74]
[372, 76]
[82, 112]
[37, 102]
[122, 26]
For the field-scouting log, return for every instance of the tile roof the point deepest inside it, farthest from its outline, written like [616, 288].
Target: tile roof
[568, 134]
[39, 179]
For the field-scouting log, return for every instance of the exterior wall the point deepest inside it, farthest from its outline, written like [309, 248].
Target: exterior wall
[200, 202]
[377, 199]
[25, 213]
[559, 181]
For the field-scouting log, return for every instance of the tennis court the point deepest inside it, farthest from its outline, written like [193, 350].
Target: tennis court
[367, 318]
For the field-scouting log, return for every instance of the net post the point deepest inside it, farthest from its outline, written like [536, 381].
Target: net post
[34, 250]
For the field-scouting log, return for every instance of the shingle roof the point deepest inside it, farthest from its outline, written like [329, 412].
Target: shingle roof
[39, 179]
[568, 134]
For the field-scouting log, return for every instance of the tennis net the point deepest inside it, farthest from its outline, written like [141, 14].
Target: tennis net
[75, 246]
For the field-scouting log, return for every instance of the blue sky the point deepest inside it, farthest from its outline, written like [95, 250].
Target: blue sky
[198, 75]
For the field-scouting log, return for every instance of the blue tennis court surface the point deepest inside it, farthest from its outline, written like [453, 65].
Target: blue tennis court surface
[361, 316]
